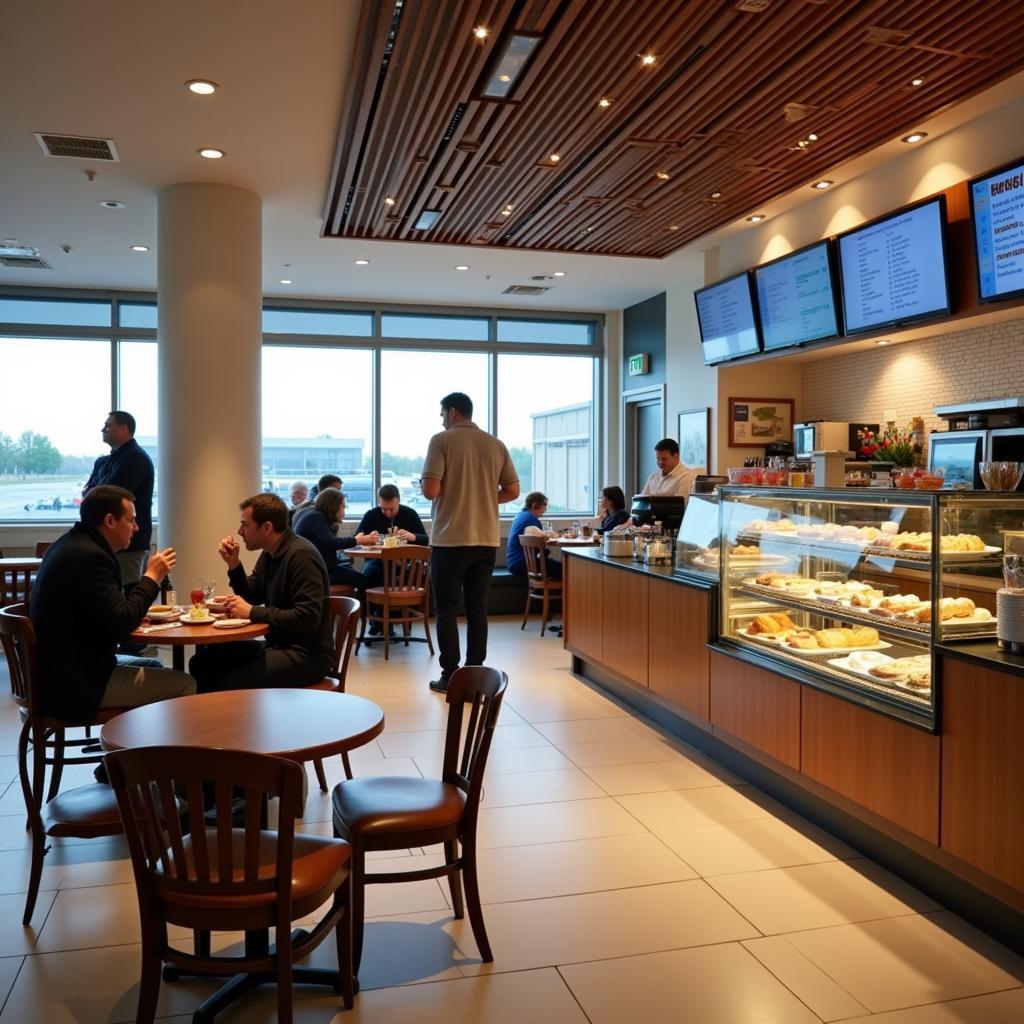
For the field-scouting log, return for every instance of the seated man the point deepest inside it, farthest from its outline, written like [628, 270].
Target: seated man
[327, 480]
[389, 515]
[287, 590]
[299, 492]
[80, 613]
[534, 506]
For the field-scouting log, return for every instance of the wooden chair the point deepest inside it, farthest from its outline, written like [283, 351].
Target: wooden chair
[344, 615]
[16, 584]
[405, 596]
[227, 878]
[87, 812]
[394, 813]
[540, 586]
[41, 547]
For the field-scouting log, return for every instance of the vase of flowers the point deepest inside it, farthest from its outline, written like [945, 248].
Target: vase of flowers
[897, 446]
[867, 444]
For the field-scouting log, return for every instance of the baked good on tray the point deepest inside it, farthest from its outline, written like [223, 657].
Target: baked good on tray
[913, 672]
[771, 623]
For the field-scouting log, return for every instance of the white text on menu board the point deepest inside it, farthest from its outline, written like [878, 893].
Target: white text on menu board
[889, 281]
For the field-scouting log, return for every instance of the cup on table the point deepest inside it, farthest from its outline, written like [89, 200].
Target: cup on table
[587, 530]
[171, 598]
[196, 595]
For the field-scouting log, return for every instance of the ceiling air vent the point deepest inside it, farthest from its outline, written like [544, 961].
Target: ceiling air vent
[77, 147]
[25, 262]
[525, 289]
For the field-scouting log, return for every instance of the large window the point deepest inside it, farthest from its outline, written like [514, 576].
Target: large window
[54, 398]
[412, 386]
[137, 394]
[317, 418]
[545, 417]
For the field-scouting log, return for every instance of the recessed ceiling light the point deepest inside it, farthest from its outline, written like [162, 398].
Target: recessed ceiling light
[755, 218]
[914, 137]
[716, 195]
[673, 227]
[361, 263]
[111, 204]
[210, 154]
[201, 86]
[286, 280]
[504, 78]
[604, 102]
[140, 248]
[662, 175]
[389, 200]
[481, 32]
[881, 342]
[506, 69]
[915, 82]
[555, 157]
[812, 137]
[558, 273]
[647, 59]
[822, 185]
[506, 213]
[461, 266]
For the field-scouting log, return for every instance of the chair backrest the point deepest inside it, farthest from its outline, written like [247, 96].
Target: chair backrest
[18, 636]
[535, 554]
[16, 584]
[479, 691]
[406, 567]
[178, 852]
[41, 547]
[344, 624]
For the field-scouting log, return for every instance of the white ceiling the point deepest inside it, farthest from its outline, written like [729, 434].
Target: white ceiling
[117, 70]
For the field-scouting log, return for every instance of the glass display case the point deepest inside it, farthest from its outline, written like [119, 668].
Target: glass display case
[851, 592]
[697, 539]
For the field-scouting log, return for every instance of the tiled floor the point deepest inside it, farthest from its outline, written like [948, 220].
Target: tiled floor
[626, 878]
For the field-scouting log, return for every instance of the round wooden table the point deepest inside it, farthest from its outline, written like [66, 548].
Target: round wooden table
[182, 636]
[298, 724]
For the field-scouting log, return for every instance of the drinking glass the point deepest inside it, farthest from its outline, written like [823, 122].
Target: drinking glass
[209, 586]
[197, 595]
[576, 528]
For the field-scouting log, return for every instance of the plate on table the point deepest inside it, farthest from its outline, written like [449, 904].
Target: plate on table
[216, 604]
[230, 623]
[188, 620]
[168, 616]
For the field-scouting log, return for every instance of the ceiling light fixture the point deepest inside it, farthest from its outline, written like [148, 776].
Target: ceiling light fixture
[481, 32]
[389, 200]
[555, 157]
[662, 175]
[426, 220]
[673, 227]
[558, 273]
[506, 213]
[209, 153]
[647, 59]
[715, 195]
[361, 263]
[201, 86]
[140, 248]
[812, 137]
[111, 204]
[755, 218]
[286, 280]
[509, 65]
[914, 137]
[822, 185]
[915, 82]
[461, 266]
[604, 102]
[881, 342]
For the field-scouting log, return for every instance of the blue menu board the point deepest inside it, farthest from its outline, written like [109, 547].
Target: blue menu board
[795, 299]
[997, 211]
[725, 314]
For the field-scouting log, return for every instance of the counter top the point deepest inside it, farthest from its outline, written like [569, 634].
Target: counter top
[986, 654]
[663, 572]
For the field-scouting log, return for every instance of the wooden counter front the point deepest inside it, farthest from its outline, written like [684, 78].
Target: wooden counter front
[677, 653]
[582, 612]
[625, 625]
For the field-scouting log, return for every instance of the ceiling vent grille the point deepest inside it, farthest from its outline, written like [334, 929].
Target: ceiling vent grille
[525, 289]
[77, 147]
[25, 262]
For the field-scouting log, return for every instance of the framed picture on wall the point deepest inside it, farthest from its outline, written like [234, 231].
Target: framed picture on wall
[755, 422]
[695, 438]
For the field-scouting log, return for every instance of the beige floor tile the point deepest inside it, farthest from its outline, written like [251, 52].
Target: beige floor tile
[538, 788]
[430, 744]
[526, 759]
[808, 982]
[656, 776]
[605, 925]
[560, 706]
[629, 750]
[755, 845]
[553, 823]
[69, 867]
[668, 812]
[105, 915]
[907, 961]
[392, 899]
[16, 939]
[588, 730]
[820, 895]
[997, 1008]
[714, 985]
[586, 865]
[9, 968]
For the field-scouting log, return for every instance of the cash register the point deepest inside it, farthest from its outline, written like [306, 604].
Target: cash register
[647, 509]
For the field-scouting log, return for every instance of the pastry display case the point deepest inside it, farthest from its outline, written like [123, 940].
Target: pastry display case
[852, 592]
[697, 540]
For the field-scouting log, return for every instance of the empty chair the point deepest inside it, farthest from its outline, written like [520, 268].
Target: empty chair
[541, 586]
[344, 615]
[16, 583]
[394, 813]
[87, 812]
[405, 596]
[224, 878]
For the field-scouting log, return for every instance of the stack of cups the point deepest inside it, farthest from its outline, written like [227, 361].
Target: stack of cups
[1010, 619]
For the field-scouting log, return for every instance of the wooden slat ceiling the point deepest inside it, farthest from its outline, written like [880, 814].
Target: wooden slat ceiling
[723, 109]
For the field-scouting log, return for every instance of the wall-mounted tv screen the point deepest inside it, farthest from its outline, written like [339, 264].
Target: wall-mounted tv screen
[893, 270]
[796, 298]
[997, 212]
[725, 313]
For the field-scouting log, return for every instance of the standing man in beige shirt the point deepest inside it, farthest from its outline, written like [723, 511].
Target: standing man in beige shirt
[672, 478]
[467, 474]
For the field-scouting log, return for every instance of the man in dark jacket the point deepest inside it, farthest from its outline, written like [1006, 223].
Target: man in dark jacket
[288, 590]
[127, 466]
[327, 480]
[390, 515]
[80, 612]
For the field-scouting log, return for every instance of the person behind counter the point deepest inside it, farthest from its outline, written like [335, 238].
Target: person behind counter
[672, 478]
[534, 506]
[611, 506]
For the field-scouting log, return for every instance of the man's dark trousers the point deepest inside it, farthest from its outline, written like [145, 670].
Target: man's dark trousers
[461, 572]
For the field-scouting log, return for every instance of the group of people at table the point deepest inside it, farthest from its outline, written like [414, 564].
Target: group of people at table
[95, 585]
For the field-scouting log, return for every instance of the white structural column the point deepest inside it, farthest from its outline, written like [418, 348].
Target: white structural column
[209, 335]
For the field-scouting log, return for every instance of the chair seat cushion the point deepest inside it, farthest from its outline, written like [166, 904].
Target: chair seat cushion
[328, 683]
[410, 595]
[84, 812]
[319, 865]
[377, 806]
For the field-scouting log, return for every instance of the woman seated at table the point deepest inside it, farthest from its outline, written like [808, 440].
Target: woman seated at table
[528, 521]
[612, 507]
[316, 525]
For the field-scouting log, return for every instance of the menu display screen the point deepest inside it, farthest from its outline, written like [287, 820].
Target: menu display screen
[725, 313]
[795, 298]
[893, 270]
[997, 210]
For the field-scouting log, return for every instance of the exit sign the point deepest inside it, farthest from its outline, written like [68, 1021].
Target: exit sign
[639, 365]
